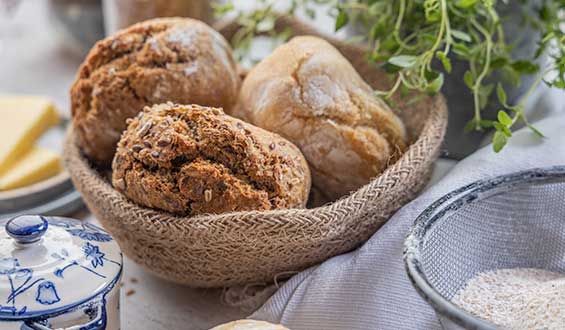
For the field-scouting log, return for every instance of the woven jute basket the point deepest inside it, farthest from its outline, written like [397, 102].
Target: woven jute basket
[255, 247]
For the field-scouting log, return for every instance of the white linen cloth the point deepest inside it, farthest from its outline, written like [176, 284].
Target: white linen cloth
[368, 288]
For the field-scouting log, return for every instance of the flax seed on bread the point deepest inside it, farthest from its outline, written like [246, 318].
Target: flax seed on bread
[190, 159]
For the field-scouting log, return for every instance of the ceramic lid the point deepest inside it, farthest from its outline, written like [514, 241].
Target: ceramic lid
[51, 264]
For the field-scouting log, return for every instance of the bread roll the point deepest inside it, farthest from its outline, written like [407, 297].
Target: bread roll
[171, 59]
[310, 94]
[249, 325]
[191, 159]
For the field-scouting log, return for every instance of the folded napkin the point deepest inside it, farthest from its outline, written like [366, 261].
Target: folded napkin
[368, 288]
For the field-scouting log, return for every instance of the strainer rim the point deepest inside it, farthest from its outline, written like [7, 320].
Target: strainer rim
[437, 211]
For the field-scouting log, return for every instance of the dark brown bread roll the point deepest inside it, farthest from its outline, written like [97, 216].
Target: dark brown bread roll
[189, 159]
[172, 59]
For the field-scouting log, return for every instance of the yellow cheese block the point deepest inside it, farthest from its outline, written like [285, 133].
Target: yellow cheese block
[23, 119]
[37, 165]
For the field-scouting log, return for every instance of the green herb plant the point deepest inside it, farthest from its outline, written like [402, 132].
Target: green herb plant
[415, 41]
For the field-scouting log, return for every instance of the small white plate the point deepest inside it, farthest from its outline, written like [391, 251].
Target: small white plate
[53, 196]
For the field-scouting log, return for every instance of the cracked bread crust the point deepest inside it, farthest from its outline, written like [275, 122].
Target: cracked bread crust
[169, 59]
[189, 160]
[310, 94]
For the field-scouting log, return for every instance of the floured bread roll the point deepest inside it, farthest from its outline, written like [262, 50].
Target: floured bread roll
[249, 325]
[166, 59]
[310, 94]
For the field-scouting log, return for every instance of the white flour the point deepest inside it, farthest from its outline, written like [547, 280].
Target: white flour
[154, 44]
[521, 298]
[184, 36]
[191, 68]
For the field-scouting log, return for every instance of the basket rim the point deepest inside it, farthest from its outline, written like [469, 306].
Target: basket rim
[437, 118]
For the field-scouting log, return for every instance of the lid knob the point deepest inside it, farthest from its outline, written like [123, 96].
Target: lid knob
[26, 229]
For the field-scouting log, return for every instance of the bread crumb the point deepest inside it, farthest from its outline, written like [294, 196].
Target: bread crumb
[130, 292]
[208, 195]
[121, 184]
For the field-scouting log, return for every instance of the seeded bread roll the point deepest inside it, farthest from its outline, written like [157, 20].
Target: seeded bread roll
[310, 94]
[171, 59]
[189, 159]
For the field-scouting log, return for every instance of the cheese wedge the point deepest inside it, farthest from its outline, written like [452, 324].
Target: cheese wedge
[23, 119]
[37, 165]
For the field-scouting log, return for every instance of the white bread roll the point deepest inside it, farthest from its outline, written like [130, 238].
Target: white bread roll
[310, 94]
[249, 325]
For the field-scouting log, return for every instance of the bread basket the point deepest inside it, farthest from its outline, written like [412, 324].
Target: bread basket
[254, 247]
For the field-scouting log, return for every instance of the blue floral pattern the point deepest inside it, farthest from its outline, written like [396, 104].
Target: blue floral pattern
[92, 253]
[91, 259]
[47, 293]
[87, 231]
[90, 232]
[20, 279]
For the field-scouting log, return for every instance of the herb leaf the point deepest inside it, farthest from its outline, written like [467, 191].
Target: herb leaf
[461, 35]
[501, 94]
[341, 20]
[499, 140]
[504, 119]
[403, 61]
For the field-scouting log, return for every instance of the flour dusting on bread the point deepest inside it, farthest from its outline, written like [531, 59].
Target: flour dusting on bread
[310, 94]
[168, 59]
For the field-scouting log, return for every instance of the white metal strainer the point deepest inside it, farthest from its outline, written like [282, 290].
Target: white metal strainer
[511, 221]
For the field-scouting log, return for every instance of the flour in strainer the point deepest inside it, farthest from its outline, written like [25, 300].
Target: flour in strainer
[520, 298]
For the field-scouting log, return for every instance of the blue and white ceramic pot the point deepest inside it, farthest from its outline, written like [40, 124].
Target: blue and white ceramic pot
[58, 273]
